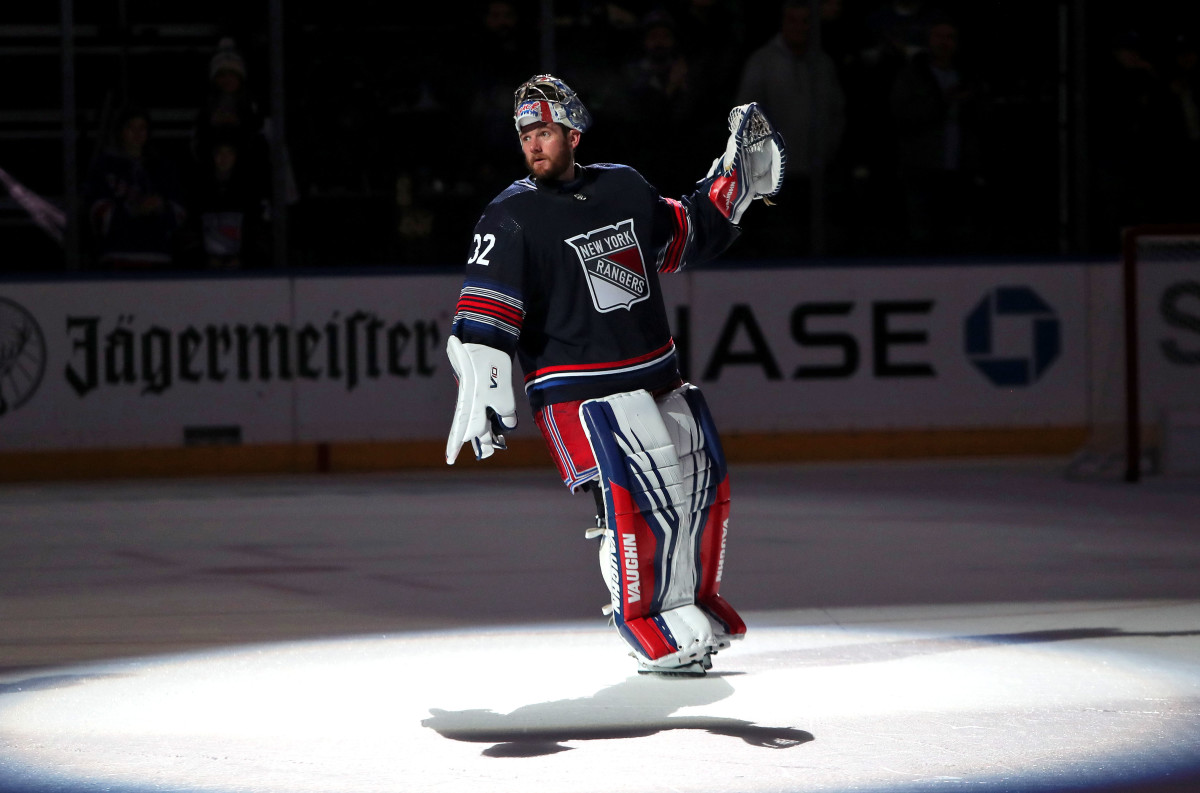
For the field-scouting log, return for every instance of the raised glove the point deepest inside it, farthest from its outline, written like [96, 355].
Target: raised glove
[752, 165]
[485, 407]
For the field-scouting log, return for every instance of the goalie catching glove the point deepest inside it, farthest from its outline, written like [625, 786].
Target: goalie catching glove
[752, 165]
[485, 407]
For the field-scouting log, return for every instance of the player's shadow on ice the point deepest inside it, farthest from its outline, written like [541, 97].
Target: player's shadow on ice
[635, 708]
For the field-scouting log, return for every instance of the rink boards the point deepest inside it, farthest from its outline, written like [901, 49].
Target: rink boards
[845, 356]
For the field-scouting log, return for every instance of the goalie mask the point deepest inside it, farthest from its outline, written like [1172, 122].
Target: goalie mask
[544, 97]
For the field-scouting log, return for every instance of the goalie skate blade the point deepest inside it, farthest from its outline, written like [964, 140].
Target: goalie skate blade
[694, 669]
[725, 641]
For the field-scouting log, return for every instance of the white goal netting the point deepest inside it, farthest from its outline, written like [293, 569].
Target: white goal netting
[1145, 359]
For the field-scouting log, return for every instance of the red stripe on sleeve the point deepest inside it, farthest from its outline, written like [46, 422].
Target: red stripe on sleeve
[674, 258]
[492, 307]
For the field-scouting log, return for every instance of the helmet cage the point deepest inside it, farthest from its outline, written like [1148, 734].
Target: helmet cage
[544, 97]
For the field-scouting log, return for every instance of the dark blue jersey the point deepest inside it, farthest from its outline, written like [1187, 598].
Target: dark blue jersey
[565, 276]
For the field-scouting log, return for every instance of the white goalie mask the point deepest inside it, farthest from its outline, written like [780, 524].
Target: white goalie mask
[544, 97]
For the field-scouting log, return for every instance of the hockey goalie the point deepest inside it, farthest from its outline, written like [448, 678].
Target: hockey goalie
[562, 273]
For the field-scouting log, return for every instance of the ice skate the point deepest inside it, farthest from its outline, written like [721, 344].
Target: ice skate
[673, 666]
[727, 627]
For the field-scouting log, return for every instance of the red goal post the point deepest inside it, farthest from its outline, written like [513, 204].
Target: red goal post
[1160, 282]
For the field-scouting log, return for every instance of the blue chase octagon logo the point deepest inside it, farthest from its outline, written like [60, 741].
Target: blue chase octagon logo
[1005, 310]
[22, 356]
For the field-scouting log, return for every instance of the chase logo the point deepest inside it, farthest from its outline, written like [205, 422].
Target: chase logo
[22, 356]
[1012, 336]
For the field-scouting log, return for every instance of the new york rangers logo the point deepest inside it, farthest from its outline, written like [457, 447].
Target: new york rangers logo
[612, 261]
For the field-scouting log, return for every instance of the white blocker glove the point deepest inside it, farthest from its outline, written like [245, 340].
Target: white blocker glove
[752, 165]
[485, 408]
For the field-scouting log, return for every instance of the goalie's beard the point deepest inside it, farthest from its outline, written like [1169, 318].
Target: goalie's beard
[557, 168]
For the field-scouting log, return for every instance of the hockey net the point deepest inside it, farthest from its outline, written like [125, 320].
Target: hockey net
[1145, 378]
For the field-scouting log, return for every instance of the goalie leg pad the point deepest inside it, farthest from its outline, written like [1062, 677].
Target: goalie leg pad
[638, 467]
[706, 485]
[662, 473]
[673, 638]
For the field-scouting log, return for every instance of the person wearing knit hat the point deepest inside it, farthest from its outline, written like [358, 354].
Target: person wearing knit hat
[134, 199]
[227, 59]
[230, 113]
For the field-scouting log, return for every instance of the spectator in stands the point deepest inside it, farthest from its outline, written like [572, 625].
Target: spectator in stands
[797, 85]
[867, 193]
[593, 40]
[230, 113]
[133, 198]
[891, 32]
[936, 105]
[1128, 124]
[502, 57]
[470, 99]
[711, 35]
[663, 98]
[230, 212]
[899, 29]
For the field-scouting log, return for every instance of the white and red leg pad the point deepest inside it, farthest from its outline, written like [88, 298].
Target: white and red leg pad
[658, 494]
[673, 638]
[690, 424]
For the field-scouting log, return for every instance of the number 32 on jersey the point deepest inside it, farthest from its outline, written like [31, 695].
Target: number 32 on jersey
[483, 247]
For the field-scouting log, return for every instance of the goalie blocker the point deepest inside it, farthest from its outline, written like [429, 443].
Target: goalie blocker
[485, 408]
[666, 499]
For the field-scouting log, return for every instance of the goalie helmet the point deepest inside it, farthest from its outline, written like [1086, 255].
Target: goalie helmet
[544, 97]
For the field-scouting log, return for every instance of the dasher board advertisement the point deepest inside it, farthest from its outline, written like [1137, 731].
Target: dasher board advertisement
[896, 347]
[286, 359]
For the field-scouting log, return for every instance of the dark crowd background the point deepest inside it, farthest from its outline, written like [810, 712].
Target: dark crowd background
[968, 128]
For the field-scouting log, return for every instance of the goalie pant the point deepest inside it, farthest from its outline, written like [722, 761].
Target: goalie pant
[666, 498]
